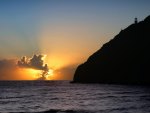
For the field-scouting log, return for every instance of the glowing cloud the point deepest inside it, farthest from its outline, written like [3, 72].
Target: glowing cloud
[37, 63]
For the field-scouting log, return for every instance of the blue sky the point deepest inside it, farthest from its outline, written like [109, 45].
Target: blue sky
[101, 20]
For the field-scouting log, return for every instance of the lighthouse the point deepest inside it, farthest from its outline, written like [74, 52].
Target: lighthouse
[135, 21]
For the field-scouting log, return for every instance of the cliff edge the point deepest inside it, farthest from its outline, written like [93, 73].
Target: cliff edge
[124, 59]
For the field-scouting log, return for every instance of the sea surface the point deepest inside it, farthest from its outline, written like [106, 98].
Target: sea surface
[64, 97]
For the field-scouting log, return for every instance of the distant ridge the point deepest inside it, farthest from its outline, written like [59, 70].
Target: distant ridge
[123, 60]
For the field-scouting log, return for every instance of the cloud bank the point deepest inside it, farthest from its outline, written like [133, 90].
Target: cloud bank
[10, 71]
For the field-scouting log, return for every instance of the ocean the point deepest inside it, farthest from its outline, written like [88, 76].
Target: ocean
[64, 97]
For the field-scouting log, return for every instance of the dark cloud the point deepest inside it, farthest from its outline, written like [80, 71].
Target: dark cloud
[65, 73]
[7, 63]
[8, 69]
[36, 62]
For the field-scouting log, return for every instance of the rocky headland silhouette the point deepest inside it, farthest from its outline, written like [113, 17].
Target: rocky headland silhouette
[125, 59]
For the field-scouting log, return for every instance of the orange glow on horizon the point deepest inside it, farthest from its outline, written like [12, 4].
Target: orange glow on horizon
[56, 65]
[28, 74]
[34, 74]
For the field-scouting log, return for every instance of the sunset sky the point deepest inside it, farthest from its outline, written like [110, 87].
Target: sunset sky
[64, 32]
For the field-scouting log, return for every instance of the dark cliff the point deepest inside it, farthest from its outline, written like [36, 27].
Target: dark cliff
[124, 59]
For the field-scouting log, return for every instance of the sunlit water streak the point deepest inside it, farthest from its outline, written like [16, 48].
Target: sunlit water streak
[63, 97]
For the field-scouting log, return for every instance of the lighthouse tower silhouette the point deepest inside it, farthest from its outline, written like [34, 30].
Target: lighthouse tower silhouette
[135, 20]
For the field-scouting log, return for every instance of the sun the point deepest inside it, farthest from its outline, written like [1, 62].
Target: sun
[37, 74]
[49, 74]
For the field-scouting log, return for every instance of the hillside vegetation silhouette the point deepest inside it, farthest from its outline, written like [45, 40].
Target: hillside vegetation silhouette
[123, 60]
